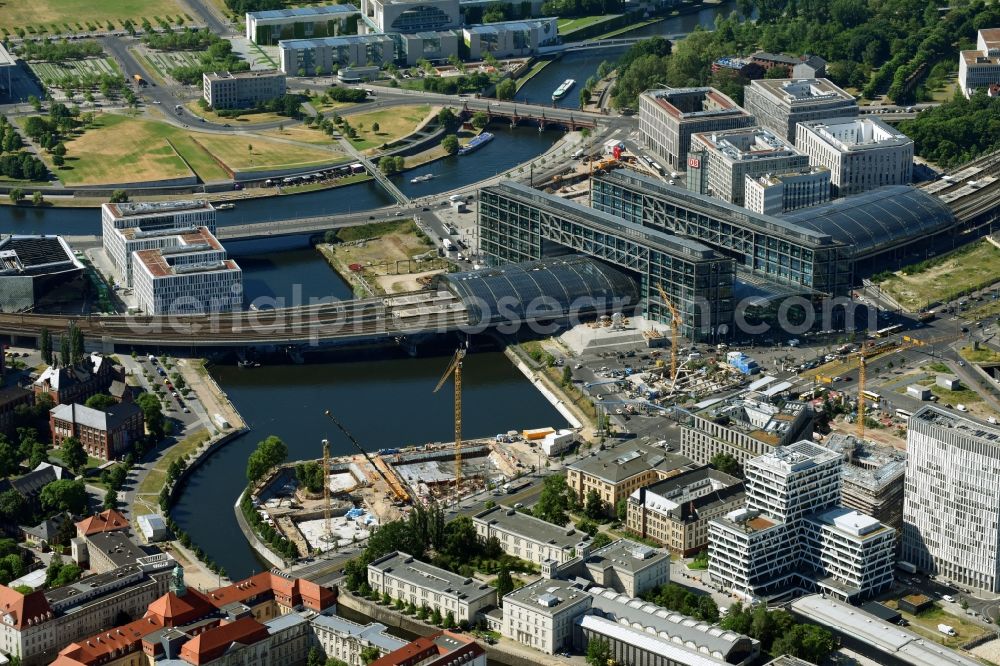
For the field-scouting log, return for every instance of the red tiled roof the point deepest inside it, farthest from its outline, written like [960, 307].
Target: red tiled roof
[172, 610]
[106, 521]
[428, 646]
[287, 591]
[25, 609]
[209, 645]
[120, 640]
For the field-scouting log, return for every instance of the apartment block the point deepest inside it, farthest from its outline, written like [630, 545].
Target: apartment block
[540, 615]
[777, 193]
[530, 538]
[872, 479]
[793, 535]
[402, 576]
[727, 158]
[668, 118]
[314, 57]
[675, 512]
[861, 153]
[781, 104]
[980, 67]
[241, 90]
[744, 428]
[128, 227]
[951, 506]
[107, 435]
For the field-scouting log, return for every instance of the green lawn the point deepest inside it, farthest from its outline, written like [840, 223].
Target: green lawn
[393, 123]
[981, 355]
[161, 62]
[568, 25]
[947, 278]
[926, 624]
[24, 13]
[157, 476]
[51, 73]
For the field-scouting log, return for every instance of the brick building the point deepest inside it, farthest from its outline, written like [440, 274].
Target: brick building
[76, 383]
[106, 435]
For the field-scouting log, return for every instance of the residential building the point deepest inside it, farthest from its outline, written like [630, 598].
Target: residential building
[37, 625]
[428, 45]
[108, 435]
[109, 520]
[402, 576]
[47, 532]
[770, 61]
[861, 153]
[743, 427]
[624, 565]
[507, 39]
[777, 193]
[313, 57]
[951, 505]
[439, 649]
[809, 67]
[241, 90]
[780, 104]
[540, 615]
[192, 276]
[270, 26]
[980, 67]
[37, 270]
[792, 534]
[529, 538]
[407, 16]
[76, 383]
[150, 225]
[726, 158]
[668, 118]
[10, 398]
[617, 472]
[879, 641]
[640, 632]
[342, 639]
[675, 512]
[872, 479]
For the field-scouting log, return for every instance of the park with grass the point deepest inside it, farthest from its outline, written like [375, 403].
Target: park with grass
[54, 17]
[376, 128]
[53, 74]
[942, 279]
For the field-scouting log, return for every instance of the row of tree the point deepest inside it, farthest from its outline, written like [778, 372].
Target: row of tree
[190, 39]
[958, 130]
[59, 51]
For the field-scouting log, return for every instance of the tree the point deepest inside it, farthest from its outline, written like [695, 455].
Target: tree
[449, 620]
[601, 540]
[436, 617]
[447, 118]
[555, 501]
[64, 495]
[64, 353]
[16, 195]
[599, 652]
[621, 510]
[111, 499]
[101, 401]
[727, 464]
[316, 657]
[152, 413]
[375, 128]
[39, 454]
[480, 120]
[506, 89]
[450, 144]
[73, 455]
[57, 160]
[505, 584]
[37, 199]
[708, 610]
[35, 103]
[13, 508]
[119, 196]
[9, 457]
[270, 453]
[594, 506]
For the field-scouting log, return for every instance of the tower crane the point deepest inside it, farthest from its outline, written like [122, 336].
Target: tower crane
[455, 368]
[326, 489]
[675, 324]
[394, 486]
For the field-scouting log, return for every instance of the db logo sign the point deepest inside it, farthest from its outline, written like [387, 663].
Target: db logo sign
[694, 162]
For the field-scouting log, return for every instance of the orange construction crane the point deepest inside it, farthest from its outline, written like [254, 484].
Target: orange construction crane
[906, 343]
[675, 326]
[455, 368]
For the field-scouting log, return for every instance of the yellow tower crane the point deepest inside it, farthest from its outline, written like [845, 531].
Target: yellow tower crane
[326, 489]
[455, 368]
[675, 327]
[862, 356]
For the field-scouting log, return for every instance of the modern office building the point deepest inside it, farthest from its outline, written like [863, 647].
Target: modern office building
[105, 434]
[271, 26]
[980, 67]
[951, 508]
[792, 535]
[510, 38]
[530, 538]
[616, 473]
[668, 118]
[226, 90]
[540, 615]
[743, 427]
[726, 158]
[192, 276]
[872, 479]
[780, 104]
[861, 153]
[675, 512]
[36, 270]
[402, 576]
[777, 193]
[323, 55]
[146, 223]
[518, 223]
[410, 16]
[427, 45]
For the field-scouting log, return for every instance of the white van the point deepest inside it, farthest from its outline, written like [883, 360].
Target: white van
[578, 154]
[455, 197]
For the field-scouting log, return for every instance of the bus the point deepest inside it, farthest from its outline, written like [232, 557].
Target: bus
[871, 396]
[903, 415]
[926, 316]
[887, 331]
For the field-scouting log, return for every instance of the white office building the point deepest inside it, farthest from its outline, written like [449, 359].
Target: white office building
[541, 615]
[861, 153]
[404, 577]
[728, 157]
[951, 504]
[668, 118]
[776, 193]
[191, 276]
[226, 90]
[780, 104]
[342, 639]
[792, 535]
[428, 45]
[980, 67]
[510, 38]
[325, 54]
[409, 16]
[129, 227]
[271, 26]
[530, 538]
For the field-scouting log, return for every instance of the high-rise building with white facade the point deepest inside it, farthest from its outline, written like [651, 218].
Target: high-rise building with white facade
[129, 227]
[951, 504]
[780, 104]
[980, 68]
[776, 193]
[861, 153]
[729, 156]
[793, 535]
[668, 118]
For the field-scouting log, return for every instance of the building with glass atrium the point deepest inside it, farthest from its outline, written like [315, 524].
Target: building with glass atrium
[406, 16]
